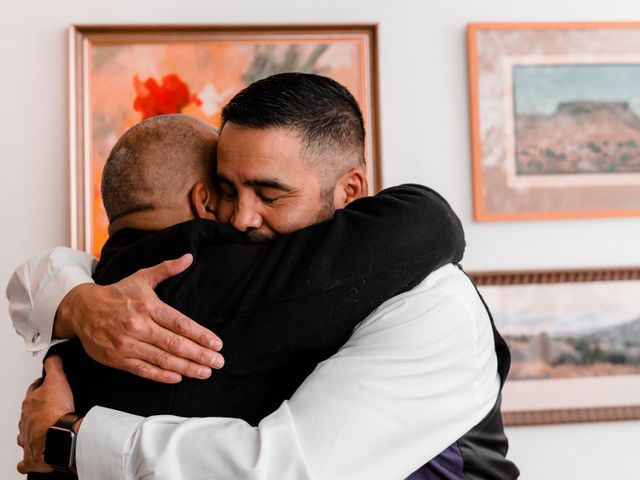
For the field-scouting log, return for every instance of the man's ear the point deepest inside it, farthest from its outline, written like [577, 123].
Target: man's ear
[203, 201]
[351, 186]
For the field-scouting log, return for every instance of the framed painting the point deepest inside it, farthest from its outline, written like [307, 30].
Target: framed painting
[555, 120]
[574, 337]
[120, 75]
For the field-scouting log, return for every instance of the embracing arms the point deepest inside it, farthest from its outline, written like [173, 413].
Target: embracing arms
[416, 375]
[124, 325]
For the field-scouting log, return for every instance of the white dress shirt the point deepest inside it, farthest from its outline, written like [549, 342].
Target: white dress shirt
[415, 375]
[38, 286]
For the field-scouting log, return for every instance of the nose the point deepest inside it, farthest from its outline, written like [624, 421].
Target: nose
[246, 216]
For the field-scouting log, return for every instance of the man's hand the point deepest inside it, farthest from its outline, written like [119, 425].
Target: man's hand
[43, 405]
[126, 326]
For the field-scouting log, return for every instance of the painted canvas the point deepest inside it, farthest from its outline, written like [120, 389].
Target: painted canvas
[569, 329]
[574, 341]
[577, 119]
[127, 74]
[555, 120]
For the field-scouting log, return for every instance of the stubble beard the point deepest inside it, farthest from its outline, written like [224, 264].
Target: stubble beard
[327, 207]
[255, 236]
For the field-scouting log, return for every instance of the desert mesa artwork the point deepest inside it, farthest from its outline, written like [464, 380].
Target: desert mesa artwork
[557, 134]
[555, 120]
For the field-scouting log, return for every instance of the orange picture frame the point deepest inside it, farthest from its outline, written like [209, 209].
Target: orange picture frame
[554, 120]
[574, 337]
[120, 75]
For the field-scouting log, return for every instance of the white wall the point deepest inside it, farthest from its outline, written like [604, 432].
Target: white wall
[425, 139]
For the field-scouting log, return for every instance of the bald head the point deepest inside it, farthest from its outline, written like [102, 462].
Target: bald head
[152, 169]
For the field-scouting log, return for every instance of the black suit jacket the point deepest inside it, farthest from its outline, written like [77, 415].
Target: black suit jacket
[280, 308]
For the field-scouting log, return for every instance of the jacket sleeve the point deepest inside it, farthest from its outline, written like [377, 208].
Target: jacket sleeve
[403, 233]
[414, 377]
[325, 279]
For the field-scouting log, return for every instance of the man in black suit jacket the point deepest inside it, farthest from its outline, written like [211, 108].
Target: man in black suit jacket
[372, 250]
[281, 307]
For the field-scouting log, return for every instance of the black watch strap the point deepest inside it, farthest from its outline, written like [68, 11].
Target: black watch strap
[60, 443]
[68, 421]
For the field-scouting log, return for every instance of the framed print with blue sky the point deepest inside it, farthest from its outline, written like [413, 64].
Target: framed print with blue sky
[555, 120]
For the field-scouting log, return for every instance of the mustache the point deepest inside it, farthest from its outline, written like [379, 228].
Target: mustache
[257, 237]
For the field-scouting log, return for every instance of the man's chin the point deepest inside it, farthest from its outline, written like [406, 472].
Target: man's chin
[259, 237]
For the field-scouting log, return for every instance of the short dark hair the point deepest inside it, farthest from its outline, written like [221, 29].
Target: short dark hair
[321, 110]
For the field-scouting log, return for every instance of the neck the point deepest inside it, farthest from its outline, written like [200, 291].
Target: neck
[155, 219]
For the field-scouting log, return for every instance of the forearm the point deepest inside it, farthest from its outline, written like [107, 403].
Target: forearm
[398, 225]
[404, 232]
[115, 445]
[63, 326]
[409, 382]
[339, 271]
[36, 289]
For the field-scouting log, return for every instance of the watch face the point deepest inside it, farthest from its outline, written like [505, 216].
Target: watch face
[58, 448]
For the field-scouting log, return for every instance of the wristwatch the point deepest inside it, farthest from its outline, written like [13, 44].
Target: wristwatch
[60, 443]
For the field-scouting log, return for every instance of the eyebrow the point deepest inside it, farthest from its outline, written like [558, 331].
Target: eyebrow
[269, 183]
[222, 179]
[259, 182]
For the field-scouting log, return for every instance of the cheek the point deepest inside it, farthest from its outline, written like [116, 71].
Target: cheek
[225, 211]
[292, 217]
[276, 220]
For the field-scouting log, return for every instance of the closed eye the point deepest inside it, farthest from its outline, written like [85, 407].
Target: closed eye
[269, 193]
[267, 200]
[227, 190]
[228, 195]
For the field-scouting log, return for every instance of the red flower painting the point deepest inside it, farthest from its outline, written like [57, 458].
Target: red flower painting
[170, 96]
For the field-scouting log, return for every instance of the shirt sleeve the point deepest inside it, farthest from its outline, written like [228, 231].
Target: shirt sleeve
[38, 286]
[416, 375]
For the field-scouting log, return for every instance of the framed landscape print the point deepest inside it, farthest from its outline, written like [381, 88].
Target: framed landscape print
[574, 337]
[555, 120]
[120, 75]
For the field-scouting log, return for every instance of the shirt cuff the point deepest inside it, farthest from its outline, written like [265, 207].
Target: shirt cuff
[103, 442]
[46, 305]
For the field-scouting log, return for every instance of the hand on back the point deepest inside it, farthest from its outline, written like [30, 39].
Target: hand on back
[126, 326]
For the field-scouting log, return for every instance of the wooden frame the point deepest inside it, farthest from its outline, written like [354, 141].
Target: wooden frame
[346, 52]
[538, 146]
[583, 399]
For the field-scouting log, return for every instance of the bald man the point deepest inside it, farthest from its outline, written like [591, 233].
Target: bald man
[159, 173]
[418, 381]
[281, 307]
